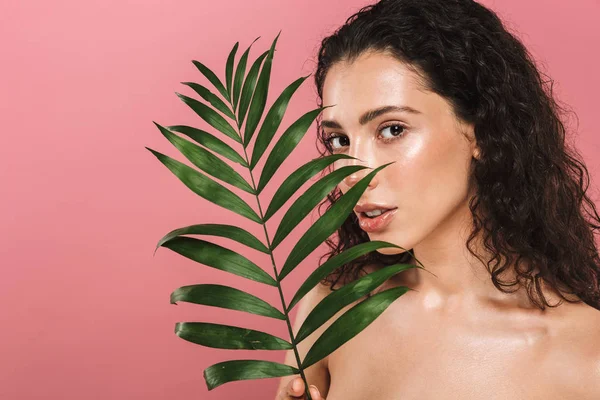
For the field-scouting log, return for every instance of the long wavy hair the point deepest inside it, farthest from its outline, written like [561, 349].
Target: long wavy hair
[530, 185]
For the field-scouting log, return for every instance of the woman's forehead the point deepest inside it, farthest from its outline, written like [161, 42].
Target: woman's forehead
[372, 73]
[368, 82]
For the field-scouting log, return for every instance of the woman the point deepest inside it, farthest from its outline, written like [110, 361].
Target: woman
[485, 193]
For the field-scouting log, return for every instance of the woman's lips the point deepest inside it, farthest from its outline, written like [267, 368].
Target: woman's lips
[378, 223]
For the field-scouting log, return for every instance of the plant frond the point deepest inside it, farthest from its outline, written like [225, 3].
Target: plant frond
[210, 142]
[239, 75]
[212, 78]
[207, 161]
[298, 178]
[248, 88]
[229, 337]
[229, 231]
[225, 297]
[334, 262]
[229, 70]
[351, 323]
[259, 98]
[218, 257]
[207, 188]
[213, 118]
[213, 99]
[284, 146]
[347, 294]
[236, 370]
[273, 120]
[308, 200]
[327, 224]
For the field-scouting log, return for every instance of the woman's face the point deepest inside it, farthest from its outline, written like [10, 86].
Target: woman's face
[428, 183]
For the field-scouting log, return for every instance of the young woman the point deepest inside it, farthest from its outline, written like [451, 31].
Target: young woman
[485, 193]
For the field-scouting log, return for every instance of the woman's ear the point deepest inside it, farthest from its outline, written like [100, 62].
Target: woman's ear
[468, 131]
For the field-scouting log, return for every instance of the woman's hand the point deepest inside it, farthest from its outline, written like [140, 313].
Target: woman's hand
[295, 390]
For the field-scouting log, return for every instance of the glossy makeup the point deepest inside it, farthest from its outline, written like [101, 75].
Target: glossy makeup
[382, 113]
[411, 126]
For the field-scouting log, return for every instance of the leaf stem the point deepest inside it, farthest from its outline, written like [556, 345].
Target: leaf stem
[285, 311]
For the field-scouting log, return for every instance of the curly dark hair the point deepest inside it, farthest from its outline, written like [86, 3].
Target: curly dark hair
[530, 186]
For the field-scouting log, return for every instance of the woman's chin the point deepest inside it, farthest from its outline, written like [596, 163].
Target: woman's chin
[389, 251]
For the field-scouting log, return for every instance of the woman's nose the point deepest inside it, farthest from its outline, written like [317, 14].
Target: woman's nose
[356, 176]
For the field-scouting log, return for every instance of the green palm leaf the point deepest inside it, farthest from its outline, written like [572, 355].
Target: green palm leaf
[247, 95]
[349, 293]
[228, 337]
[239, 75]
[229, 70]
[212, 78]
[237, 370]
[248, 88]
[288, 142]
[273, 120]
[225, 297]
[308, 200]
[207, 188]
[298, 178]
[259, 99]
[219, 257]
[334, 262]
[207, 161]
[351, 323]
[327, 224]
[231, 232]
[211, 98]
[209, 141]
[211, 116]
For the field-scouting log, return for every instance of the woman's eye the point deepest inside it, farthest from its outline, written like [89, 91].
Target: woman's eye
[337, 142]
[394, 131]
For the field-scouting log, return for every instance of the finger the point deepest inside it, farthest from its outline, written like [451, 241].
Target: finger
[296, 388]
[314, 393]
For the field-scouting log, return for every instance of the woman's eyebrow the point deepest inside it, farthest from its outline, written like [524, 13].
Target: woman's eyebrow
[371, 115]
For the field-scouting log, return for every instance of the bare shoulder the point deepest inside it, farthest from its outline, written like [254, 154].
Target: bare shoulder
[590, 322]
[579, 347]
[585, 323]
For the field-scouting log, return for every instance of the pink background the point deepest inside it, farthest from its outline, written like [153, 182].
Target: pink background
[85, 305]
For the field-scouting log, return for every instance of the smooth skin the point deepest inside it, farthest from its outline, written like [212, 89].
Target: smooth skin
[455, 336]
